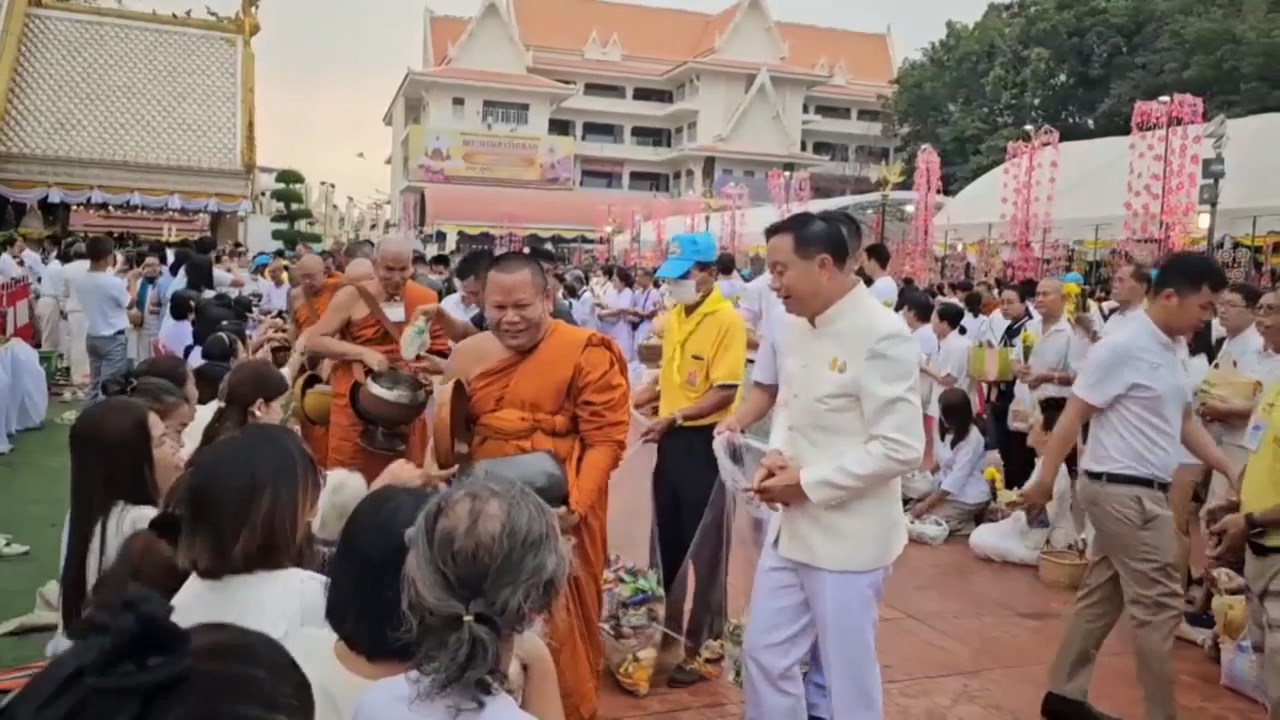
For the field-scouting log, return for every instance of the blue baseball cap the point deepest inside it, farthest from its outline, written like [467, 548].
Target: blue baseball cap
[261, 260]
[685, 250]
[1073, 277]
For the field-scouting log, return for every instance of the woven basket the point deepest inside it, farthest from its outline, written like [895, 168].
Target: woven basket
[1062, 569]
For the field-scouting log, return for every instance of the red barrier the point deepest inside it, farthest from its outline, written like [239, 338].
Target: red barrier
[18, 309]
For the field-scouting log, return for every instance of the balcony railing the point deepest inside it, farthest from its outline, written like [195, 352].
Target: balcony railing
[504, 116]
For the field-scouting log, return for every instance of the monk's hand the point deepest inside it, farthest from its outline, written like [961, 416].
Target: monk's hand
[566, 518]
[657, 428]
[424, 311]
[781, 488]
[374, 360]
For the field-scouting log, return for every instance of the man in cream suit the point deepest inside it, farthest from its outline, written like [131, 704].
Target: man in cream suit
[852, 428]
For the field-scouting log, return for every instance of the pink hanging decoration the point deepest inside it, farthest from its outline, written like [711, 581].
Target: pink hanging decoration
[927, 184]
[801, 190]
[732, 199]
[1164, 175]
[779, 192]
[1028, 193]
[658, 227]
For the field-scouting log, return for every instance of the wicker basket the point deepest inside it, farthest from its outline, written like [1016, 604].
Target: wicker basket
[1062, 569]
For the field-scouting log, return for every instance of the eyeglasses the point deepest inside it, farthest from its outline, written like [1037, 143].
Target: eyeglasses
[1232, 306]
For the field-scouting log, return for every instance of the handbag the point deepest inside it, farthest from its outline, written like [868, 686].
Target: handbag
[991, 364]
[1225, 383]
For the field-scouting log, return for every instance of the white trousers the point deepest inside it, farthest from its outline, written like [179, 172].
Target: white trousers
[49, 322]
[792, 605]
[78, 348]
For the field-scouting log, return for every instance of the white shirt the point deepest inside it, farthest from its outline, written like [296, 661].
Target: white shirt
[176, 336]
[885, 290]
[276, 603]
[104, 299]
[108, 537]
[1244, 352]
[960, 469]
[275, 297]
[1121, 319]
[583, 308]
[458, 310]
[1137, 383]
[952, 360]
[853, 426]
[336, 690]
[397, 698]
[221, 280]
[976, 328]
[732, 288]
[757, 304]
[74, 270]
[1059, 348]
[9, 267]
[928, 341]
[52, 280]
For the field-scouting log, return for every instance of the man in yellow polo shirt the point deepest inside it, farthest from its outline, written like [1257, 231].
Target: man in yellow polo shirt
[1254, 526]
[704, 357]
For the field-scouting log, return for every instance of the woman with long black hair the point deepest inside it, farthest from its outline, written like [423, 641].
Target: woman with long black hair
[962, 493]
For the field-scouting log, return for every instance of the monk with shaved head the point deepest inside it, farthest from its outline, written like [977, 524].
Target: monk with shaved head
[308, 300]
[360, 331]
[540, 384]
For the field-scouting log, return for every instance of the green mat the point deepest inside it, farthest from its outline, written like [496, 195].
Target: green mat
[33, 504]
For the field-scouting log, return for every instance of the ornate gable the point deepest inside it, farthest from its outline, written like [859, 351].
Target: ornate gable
[489, 43]
[758, 122]
[751, 35]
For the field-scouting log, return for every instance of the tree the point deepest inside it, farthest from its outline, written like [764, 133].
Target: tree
[1079, 65]
[295, 211]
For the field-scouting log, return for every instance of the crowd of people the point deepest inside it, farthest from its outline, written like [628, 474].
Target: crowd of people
[225, 555]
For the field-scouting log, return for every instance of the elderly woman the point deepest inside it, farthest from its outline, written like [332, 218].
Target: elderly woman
[485, 562]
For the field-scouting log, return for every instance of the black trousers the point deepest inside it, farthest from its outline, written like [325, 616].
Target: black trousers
[685, 479]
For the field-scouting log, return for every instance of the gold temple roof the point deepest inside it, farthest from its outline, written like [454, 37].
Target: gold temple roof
[120, 91]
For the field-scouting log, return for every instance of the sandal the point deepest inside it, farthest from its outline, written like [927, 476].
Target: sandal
[9, 549]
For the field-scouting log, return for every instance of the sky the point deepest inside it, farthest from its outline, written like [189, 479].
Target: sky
[327, 69]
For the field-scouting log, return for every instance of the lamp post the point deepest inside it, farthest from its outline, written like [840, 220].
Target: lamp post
[1213, 169]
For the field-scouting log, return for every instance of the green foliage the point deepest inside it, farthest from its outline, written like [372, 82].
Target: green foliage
[294, 212]
[290, 177]
[1079, 65]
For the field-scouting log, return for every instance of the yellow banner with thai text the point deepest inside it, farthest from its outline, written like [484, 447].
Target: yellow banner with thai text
[452, 155]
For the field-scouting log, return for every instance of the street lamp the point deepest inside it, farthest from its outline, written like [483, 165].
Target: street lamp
[1213, 169]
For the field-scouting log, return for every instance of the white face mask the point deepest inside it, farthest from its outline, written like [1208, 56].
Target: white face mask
[684, 292]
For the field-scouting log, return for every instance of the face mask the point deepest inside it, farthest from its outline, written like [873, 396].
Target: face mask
[684, 292]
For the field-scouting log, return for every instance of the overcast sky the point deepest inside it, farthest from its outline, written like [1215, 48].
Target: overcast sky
[327, 68]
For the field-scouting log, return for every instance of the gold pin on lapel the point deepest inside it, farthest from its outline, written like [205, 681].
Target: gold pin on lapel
[835, 362]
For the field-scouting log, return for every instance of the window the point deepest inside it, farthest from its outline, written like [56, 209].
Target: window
[679, 137]
[650, 137]
[691, 133]
[871, 155]
[804, 146]
[657, 95]
[749, 173]
[601, 179]
[870, 115]
[496, 112]
[649, 182]
[680, 92]
[727, 172]
[604, 91]
[831, 112]
[831, 151]
[560, 127]
[597, 132]
[805, 108]
[459, 108]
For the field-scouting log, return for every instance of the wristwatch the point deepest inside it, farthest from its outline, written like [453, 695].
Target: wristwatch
[678, 419]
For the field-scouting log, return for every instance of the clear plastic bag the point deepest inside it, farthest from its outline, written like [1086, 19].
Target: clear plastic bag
[928, 530]
[1241, 670]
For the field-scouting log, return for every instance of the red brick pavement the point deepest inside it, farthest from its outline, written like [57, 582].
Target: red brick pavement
[962, 639]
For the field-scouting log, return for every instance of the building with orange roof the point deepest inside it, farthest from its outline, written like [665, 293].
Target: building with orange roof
[590, 111]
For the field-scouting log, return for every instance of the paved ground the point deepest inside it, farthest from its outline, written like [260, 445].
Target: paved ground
[960, 639]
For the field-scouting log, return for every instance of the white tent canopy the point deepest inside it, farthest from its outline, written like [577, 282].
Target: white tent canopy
[1091, 189]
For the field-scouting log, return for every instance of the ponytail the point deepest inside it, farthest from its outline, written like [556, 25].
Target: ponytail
[226, 419]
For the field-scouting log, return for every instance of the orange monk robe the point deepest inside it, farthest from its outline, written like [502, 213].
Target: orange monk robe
[305, 314]
[345, 450]
[570, 396]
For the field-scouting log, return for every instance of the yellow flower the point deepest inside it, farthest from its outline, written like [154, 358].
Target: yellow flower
[1071, 293]
[993, 476]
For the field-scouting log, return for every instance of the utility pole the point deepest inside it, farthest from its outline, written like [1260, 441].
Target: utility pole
[1213, 169]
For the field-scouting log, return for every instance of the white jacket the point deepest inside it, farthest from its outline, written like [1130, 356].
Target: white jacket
[853, 424]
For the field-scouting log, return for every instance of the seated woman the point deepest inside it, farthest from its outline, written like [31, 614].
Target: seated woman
[175, 337]
[963, 493]
[114, 492]
[485, 561]
[132, 663]
[254, 393]
[245, 503]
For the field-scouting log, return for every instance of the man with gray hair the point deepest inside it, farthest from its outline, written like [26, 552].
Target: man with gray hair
[361, 330]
